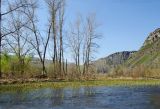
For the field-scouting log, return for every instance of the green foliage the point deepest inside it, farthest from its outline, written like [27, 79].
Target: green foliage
[10, 64]
[5, 62]
[143, 59]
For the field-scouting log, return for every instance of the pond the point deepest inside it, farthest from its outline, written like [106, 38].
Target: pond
[96, 97]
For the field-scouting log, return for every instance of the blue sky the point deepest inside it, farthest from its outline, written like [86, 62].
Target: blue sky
[125, 24]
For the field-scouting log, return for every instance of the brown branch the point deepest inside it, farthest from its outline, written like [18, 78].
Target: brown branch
[16, 8]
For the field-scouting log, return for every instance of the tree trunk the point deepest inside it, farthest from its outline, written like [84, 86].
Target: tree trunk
[63, 66]
[0, 38]
[79, 69]
[22, 66]
[66, 66]
[60, 57]
[84, 68]
[54, 37]
[44, 72]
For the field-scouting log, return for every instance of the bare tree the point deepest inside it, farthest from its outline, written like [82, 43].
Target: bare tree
[57, 10]
[54, 6]
[17, 43]
[40, 45]
[76, 41]
[61, 23]
[11, 7]
[82, 41]
[38, 42]
[90, 44]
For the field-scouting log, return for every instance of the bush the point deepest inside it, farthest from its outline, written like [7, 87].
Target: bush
[139, 71]
[12, 68]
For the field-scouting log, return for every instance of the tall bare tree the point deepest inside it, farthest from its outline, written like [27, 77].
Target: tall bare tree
[57, 10]
[82, 41]
[17, 43]
[38, 42]
[76, 41]
[90, 44]
[61, 24]
[40, 45]
[11, 7]
[54, 6]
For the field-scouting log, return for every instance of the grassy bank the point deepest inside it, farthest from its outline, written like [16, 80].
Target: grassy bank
[76, 84]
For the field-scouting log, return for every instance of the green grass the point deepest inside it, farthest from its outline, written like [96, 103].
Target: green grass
[142, 60]
[146, 47]
[76, 84]
[146, 55]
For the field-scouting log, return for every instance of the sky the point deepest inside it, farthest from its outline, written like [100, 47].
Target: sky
[124, 24]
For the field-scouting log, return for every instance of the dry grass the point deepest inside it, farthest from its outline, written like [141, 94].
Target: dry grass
[76, 84]
[137, 72]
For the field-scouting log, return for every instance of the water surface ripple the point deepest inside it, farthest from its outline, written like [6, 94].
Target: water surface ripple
[83, 98]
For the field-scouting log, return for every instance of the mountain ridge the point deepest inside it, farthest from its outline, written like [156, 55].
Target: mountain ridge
[107, 64]
[148, 55]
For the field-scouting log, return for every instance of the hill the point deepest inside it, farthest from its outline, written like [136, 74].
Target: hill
[107, 64]
[149, 54]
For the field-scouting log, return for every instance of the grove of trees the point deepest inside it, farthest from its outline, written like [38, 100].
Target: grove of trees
[22, 42]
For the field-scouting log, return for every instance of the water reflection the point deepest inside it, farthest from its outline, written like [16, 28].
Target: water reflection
[155, 101]
[57, 97]
[83, 98]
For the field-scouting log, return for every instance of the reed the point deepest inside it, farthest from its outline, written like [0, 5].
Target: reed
[77, 84]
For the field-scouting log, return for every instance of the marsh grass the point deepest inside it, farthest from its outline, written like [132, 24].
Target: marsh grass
[77, 84]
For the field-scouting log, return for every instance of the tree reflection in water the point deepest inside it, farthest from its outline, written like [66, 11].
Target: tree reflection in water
[83, 98]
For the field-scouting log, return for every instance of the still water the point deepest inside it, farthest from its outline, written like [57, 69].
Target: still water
[83, 98]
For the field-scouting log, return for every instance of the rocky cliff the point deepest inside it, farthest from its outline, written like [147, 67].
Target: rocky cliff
[153, 37]
[105, 65]
[149, 53]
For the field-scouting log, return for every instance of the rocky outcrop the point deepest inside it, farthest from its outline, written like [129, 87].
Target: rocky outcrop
[118, 58]
[105, 65]
[154, 36]
[149, 54]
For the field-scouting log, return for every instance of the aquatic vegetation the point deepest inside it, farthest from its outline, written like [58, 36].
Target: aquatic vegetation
[76, 84]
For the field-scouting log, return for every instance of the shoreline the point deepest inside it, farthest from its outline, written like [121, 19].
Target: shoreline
[76, 84]
[45, 80]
